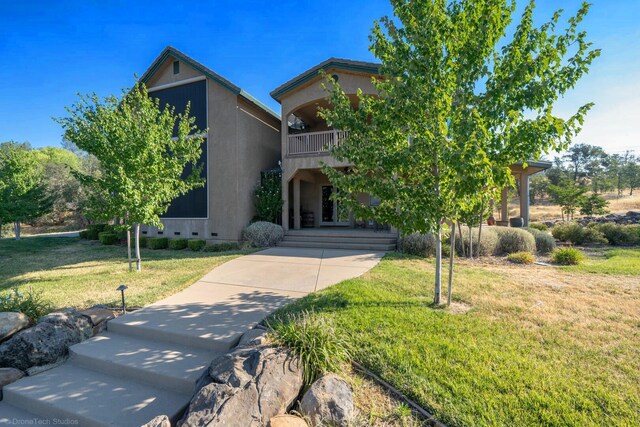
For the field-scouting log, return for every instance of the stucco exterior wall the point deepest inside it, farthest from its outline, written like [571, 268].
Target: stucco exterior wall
[164, 75]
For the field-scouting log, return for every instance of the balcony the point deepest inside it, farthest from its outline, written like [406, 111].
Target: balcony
[314, 143]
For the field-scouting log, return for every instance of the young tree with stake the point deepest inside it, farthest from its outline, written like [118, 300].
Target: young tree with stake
[454, 110]
[143, 149]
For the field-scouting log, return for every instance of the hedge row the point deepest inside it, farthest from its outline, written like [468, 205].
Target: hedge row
[605, 233]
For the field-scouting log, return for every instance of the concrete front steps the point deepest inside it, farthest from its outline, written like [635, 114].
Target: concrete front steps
[336, 238]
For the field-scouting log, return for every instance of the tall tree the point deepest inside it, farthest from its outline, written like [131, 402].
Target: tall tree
[584, 158]
[143, 151]
[454, 110]
[23, 196]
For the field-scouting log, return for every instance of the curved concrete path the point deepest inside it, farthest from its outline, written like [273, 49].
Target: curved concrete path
[148, 361]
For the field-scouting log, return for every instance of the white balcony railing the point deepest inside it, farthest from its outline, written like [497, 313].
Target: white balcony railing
[315, 142]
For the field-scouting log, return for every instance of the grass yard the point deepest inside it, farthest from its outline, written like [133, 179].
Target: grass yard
[538, 346]
[72, 272]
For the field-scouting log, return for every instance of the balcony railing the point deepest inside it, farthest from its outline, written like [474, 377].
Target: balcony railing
[315, 142]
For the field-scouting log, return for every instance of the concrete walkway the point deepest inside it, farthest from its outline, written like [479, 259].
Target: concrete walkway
[148, 361]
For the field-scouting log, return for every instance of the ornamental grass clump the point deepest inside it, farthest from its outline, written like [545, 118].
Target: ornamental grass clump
[314, 340]
[511, 240]
[521, 258]
[567, 256]
[488, 244]
[263, 234]
[545, 243]
[30, 303]
[423, 245]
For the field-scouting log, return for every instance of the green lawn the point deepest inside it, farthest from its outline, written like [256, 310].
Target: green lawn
[75, 273]
[611, 261]
[539, 345]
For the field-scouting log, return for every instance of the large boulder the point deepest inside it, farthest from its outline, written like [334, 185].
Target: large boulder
[287, 420]
[46, 342]
[328, 401]
[253, 337]
[11, 322]
[9, 375]
[159, 421]
[249, 386]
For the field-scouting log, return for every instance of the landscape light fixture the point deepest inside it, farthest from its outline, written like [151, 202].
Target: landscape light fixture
[121, 288]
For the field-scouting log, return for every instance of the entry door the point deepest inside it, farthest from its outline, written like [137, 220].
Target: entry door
[333, 212]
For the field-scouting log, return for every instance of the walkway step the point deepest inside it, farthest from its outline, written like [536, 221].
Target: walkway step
[324, 232]
[336, 245]
[92, 398]
[339, 239]
[12, 416]
[159, 364]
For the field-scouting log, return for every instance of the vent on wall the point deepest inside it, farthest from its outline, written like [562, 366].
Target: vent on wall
[214, 234]
[176, 233]
[160, 232]
[176, 67]
[144, 232]
[194, 233]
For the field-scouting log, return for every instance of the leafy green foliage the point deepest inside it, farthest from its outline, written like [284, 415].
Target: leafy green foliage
[268, 197]
[521, 258]
[575, 233]
[108, 238]
[568, 195]
[313, 339]
[23, 196]
[511, 240]
[619, 234]
[30, 303]
[594, 204]
[222, 247]
[567, 256]
[538, 226]
[178, 244]
[197, 245]
[157, 243]
[143, 148]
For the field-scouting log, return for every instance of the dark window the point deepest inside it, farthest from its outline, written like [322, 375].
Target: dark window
[176, 67]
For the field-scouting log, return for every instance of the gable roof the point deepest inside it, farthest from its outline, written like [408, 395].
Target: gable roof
[329, 64]
[171, 51]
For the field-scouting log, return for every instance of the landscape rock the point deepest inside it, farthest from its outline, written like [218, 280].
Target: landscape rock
[159, 421]
[97, 315]
[249, 386]
[11, 322]
[45, 343]
[9, 375]
[253, 337]
[328, 401]
[287, 421]
[73, 320]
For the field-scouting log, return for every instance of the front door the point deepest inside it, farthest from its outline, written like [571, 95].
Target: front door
[333, 212]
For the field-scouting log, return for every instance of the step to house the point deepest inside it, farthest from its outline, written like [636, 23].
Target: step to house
[158, 364]
[92, 398]
[12, 416]
[340, 239]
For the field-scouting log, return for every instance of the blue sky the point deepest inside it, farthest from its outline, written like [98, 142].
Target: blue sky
[53, 50]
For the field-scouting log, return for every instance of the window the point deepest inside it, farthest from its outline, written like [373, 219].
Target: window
[176, 67]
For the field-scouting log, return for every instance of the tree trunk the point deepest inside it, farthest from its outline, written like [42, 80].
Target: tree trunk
[138, 260]
[438, 284]
[470, 241]
[16, 228]
[451, 258]
[464, 253]
[129, 250]
[480, 226]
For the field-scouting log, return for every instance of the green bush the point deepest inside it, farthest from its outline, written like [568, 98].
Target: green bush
[222, 247]
[521, 258]
[157, 243]
[488, 245]
[315, 341]
[196, 245]
[98, 228]
[545, 243]
[30, 304]
[594, 204]
[178, 244]
[618, 234]
[263, 234]
[84, 234]
[92, 234]
[567, 256]
[423, 245]
[108, 238]
[511, 240]
[577, 234]
[538, 226]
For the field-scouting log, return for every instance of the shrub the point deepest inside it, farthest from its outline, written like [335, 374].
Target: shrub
[222, 247]
[545, 243]
[521, 258]
[594, 204]
[538, 226]
[158, 243]
[418, 244]
[567, 256]
[316, 343]
[263, 234]
[30, 304]
[618, 234]
[196, 245]
[268, 196]
[488, 245]
[84, 234]
[98, 228]
[92, 234]
[577, 234]
[108, 238]
[178, 244]
[143, 242]
[511, 240]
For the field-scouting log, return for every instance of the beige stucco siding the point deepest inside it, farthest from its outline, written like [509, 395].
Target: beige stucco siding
[164, 75]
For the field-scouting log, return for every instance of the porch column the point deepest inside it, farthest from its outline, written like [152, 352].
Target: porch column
[504, 203]
[285, 204]
[296, 203]
[524, 198]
